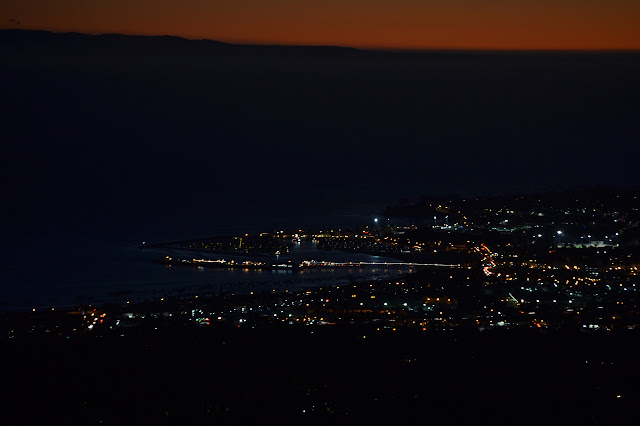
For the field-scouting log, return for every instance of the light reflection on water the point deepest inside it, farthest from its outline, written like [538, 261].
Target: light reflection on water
[119, 271]
[216, 280]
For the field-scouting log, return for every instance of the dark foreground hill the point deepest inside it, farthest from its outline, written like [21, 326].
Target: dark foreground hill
[320, 376]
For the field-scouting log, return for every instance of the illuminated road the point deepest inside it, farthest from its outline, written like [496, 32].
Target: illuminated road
[303, 264]
[350, 264]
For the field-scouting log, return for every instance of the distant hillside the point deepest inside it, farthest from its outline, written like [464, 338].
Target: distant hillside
[35, 41]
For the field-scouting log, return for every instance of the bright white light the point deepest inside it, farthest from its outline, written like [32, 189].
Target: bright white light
[559, 232]
[375, 220]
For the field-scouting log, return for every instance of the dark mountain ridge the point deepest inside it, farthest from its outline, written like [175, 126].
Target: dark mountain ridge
[40, 40]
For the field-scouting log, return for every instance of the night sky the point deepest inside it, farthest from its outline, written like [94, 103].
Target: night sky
[405, 24]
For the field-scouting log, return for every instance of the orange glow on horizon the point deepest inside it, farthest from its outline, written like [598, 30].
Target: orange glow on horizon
[403, 24]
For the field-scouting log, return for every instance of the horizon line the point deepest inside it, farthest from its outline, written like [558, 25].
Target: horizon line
[339, 46]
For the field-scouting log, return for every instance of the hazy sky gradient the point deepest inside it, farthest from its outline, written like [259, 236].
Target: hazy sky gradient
[475, 24]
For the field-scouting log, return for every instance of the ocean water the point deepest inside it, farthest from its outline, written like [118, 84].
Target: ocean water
[66, 269]
[102, 152]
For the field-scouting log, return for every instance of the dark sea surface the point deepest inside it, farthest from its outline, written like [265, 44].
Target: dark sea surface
[109, 141]
[68, 270]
